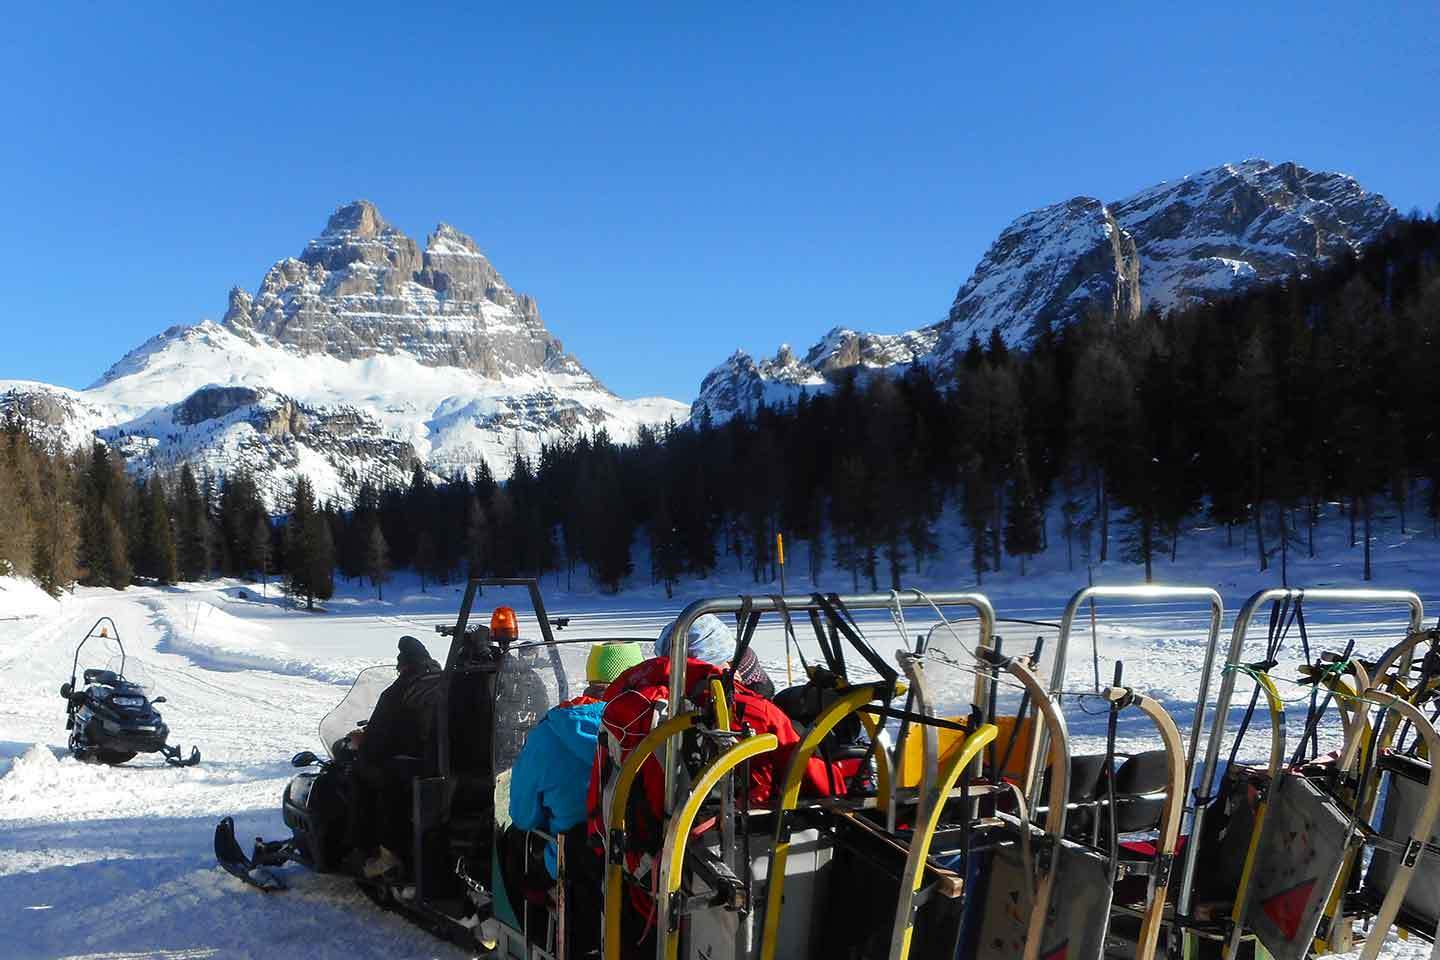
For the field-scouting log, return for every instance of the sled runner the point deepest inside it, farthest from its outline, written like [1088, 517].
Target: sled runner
[110, 716]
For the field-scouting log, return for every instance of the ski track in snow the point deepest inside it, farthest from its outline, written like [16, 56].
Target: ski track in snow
[113, 863]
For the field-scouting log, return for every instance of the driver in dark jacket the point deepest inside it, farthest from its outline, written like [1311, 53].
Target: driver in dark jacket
[401, 726]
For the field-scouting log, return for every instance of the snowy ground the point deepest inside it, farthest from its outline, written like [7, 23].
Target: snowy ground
[99, 862]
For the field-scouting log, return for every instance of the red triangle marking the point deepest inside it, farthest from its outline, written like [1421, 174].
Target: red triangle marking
[1059, 953]
[1287, 908]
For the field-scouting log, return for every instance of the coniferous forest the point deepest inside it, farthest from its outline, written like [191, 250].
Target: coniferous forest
[1254, 413]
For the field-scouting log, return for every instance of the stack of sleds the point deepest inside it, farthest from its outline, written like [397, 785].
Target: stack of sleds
[954, 818]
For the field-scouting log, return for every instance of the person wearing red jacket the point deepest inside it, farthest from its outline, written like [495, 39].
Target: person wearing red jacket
[634, 705]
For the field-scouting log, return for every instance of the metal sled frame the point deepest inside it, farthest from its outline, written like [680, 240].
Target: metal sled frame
[935, 787]
[617, 841]
[677, 832]
[849, 702]
[678, 804]
[1423, 826]
[1172, 814]
[869, 601]
[1272, 775]
[1147, 593]
[1234, 657]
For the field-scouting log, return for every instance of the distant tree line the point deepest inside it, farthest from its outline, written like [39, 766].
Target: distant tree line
[1252, 412]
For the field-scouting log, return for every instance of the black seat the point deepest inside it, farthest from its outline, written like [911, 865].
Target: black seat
[1085, 774]
[1139, 786]
[1146, 772]
[106, 677]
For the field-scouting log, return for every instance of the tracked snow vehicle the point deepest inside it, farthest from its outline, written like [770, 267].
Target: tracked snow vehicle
[111, 718]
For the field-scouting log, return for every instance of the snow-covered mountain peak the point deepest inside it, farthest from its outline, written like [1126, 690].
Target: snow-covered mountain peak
[357, 358]
[1222, 229]
[1206, 235]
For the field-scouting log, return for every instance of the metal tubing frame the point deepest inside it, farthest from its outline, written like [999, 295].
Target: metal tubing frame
[849, 701]
[677, 835]
[615, 826]
[1174, 812]
[1227, 687]
[1146, 592]
[680, 639]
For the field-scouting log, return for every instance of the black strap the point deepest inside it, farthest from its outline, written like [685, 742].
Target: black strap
[824, 643]
[891, 713]
[784, 611]
[1113, 840]
[1312, 721]
[841, 619]
[1279, 626]
[1019, 716]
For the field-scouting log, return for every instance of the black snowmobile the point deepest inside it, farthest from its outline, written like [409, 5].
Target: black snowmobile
[491, 695]
[109, 717]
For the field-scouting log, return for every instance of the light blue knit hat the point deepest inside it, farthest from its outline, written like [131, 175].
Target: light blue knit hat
[709, 640]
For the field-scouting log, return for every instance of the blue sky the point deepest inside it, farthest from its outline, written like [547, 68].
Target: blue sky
[669, 182]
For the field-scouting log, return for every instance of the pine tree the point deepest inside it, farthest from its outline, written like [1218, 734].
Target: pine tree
[260, 547]
[425, 557]
[191, 528]
[377, 560]
[18, 491]
[1022, 520]
[57, 533]
[664, 547]
[156, 546]
[309, 547]
[103, 553]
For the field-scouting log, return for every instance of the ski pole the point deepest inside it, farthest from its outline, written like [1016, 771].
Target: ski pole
[780, 556]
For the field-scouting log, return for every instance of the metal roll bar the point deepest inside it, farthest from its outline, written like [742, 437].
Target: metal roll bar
[1146, 592]
[1227, 687]
[680, 639]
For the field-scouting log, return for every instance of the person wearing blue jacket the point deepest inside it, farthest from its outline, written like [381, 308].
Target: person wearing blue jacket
[550, 778]
[550, 781]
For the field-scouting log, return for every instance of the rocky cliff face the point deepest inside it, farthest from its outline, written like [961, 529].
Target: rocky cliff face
[1221, 230]
[355, 359]
[1050, 265]
[1169, 246]
[741, 384]
[362, 289]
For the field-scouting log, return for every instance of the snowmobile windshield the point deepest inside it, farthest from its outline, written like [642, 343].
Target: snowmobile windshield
[358, 704]
[102, 661]
[533, 679]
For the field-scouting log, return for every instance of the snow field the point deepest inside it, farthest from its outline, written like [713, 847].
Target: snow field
[110, 862]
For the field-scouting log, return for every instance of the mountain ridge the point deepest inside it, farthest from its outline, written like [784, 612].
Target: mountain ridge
[1208, 234]
[362, 355]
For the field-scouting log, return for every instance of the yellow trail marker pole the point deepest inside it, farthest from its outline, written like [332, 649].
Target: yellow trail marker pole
[789, 661]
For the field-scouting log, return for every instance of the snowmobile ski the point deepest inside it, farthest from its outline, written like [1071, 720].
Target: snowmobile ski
[234, 862]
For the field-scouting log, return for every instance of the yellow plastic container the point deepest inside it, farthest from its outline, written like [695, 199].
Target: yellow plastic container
[912, 753]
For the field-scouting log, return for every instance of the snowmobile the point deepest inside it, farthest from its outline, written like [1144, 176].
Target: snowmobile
[492, 694]
[109, 716]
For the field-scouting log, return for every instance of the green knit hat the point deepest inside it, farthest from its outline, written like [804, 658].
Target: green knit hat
[609, 660]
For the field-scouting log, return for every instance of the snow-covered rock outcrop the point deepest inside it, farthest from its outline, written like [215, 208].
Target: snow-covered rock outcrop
[1207, 235]
[353, 360]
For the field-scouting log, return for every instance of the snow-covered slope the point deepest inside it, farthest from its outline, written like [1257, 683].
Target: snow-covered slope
[1171, 245]
[1224, 229]
[352, 360]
